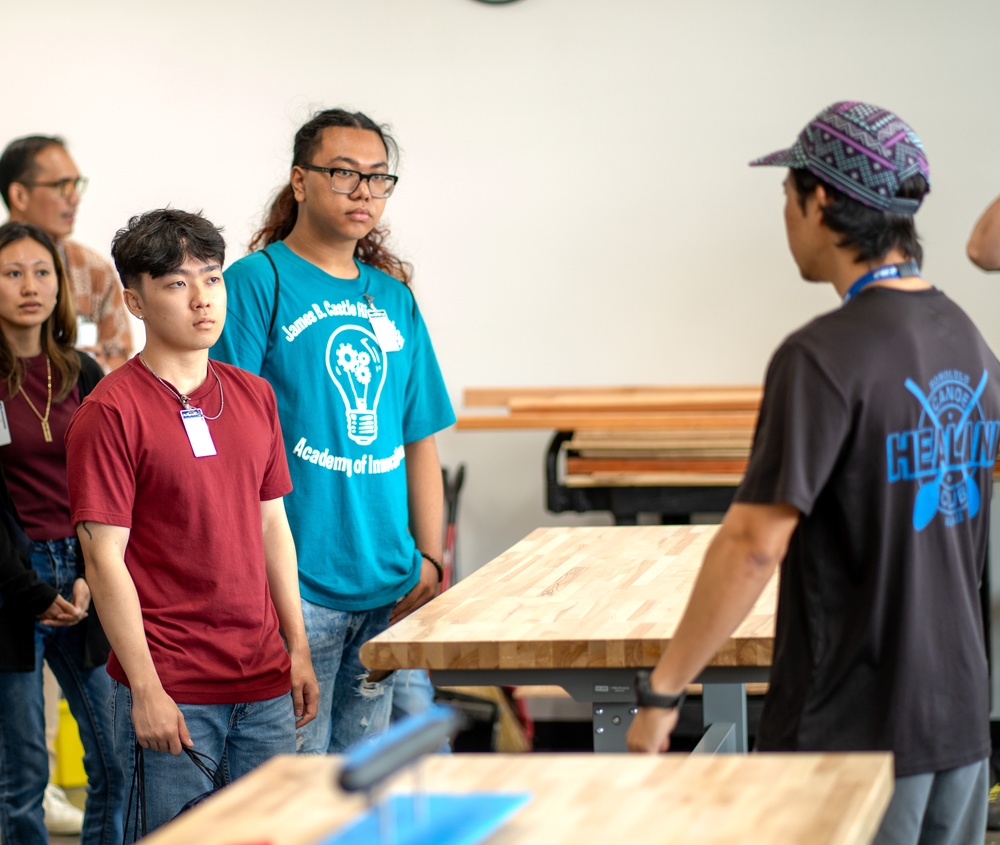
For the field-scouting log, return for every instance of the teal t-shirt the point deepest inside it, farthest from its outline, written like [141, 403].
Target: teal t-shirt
[347, 408]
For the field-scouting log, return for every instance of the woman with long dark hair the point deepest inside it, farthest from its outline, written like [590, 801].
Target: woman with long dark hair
[44, 599]
[323, 311]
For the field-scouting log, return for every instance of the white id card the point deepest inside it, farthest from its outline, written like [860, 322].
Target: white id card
[4, 427]
[385, 332]
[197, 431]
[86, 333]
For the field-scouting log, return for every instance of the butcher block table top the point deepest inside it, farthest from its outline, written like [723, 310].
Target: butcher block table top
[571, 597]
[771, 799]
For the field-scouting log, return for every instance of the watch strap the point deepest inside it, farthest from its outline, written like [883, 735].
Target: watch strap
[645, 697]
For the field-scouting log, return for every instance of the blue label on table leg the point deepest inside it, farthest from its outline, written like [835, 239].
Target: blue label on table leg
[463, 819]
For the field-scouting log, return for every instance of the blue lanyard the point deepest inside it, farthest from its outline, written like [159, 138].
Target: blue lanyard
[886, 271]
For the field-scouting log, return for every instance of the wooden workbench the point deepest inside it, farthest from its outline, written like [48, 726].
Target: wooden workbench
[581, 608]
[673, 451]
[779, 799]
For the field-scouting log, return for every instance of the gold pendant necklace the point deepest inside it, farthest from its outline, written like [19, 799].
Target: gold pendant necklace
[46, 431]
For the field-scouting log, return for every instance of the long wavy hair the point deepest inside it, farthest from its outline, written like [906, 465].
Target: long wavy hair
[58, 332]
[284, 209]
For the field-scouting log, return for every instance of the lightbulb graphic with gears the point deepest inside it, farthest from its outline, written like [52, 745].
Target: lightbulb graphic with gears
[356, 364]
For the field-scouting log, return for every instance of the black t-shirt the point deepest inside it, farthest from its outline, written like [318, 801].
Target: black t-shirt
[879, 423]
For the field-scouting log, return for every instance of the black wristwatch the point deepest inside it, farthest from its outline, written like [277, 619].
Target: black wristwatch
[645, 697]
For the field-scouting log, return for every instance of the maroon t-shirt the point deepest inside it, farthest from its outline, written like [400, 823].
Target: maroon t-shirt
[36, 470]
[195, 551]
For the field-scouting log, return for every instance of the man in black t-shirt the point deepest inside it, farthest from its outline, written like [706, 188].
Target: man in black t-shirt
[869, 482]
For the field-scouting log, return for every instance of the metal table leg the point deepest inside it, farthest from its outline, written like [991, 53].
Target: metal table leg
[611, 693]
[611, 722]
[726, 704]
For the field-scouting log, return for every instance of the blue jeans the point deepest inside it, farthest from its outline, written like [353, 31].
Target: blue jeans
[239, 737]
[24, 762]
[940, 808]
[412, 694]
[350, 707]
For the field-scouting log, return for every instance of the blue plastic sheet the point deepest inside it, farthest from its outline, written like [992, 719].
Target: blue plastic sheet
[463, 819]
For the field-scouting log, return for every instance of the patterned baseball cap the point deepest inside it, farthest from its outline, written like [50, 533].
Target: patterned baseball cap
[865, 151]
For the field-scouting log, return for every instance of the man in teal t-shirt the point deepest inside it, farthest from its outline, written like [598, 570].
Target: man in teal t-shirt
[360, 396]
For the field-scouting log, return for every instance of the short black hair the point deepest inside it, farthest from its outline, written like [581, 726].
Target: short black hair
[870, 232]
[17, 162]
[158, 242]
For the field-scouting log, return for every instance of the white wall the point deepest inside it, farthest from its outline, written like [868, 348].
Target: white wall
[574, 189]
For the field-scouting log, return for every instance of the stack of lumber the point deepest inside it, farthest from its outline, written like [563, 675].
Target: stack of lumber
[632, 436]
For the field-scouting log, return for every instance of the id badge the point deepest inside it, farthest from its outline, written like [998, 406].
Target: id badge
[385, 332]
[86, 333]
[4, 427]
[198, 434]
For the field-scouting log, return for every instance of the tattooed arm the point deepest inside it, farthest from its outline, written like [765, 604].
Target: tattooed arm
[158, 722]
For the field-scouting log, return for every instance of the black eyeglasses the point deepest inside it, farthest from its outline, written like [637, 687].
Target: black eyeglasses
[345, 181]
[65, 187]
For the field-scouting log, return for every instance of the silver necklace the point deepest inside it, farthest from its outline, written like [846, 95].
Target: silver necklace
[186, 400]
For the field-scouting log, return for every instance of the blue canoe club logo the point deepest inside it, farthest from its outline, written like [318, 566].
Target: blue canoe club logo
[952, 442]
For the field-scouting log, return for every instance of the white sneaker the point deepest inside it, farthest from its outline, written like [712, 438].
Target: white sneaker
[61, 817]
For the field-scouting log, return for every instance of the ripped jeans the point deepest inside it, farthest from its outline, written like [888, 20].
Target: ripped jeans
[350, 708]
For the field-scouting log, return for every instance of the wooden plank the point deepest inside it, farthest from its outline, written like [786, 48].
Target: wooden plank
[767, 799]
[654, 479]
[742, 399]
[714, 466]
[669, 421]
[499, 397]
[640, 440]
[661, 454]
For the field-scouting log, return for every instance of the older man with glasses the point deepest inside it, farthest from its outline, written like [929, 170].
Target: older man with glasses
[40, 184]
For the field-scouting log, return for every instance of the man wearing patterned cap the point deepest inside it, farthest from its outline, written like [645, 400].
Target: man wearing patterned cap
[869, 482]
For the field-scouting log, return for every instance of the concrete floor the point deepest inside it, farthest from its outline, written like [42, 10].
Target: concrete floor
[79, 797]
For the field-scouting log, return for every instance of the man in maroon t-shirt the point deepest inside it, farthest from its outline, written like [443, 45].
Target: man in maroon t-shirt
[176, 476]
